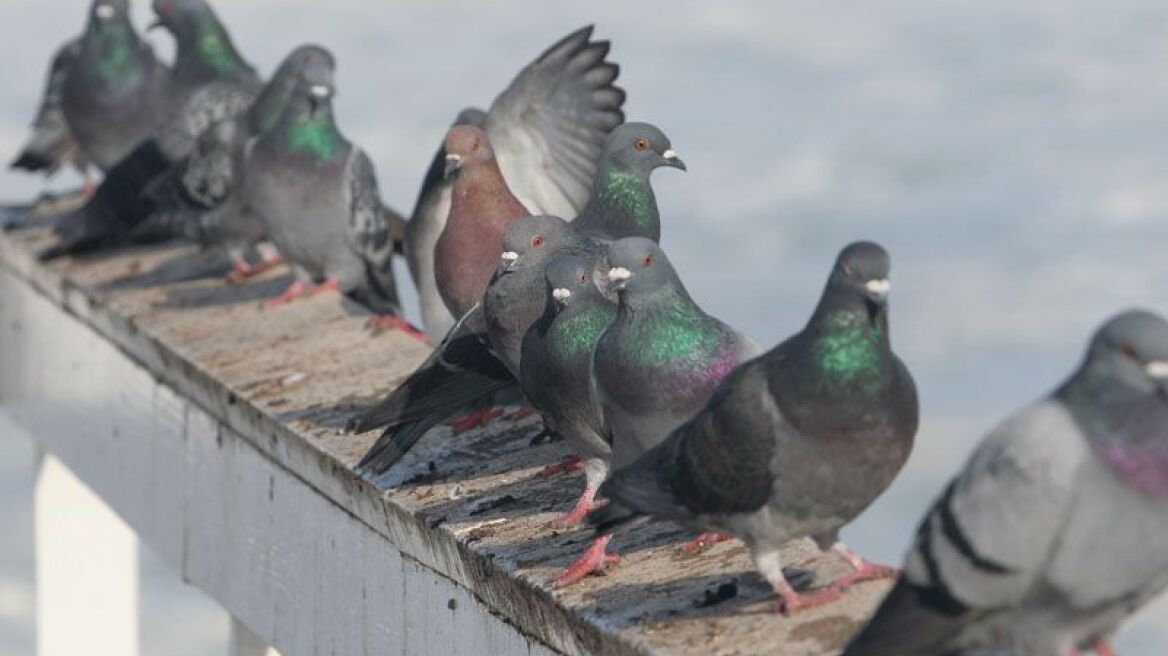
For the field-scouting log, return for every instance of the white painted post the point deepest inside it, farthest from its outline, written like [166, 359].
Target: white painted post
[86, 569]
[246, 643]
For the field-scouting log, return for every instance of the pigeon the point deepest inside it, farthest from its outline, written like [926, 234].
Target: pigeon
[556, 361]
[210, 81]
[114, 87]
[465, 374]
[317, 195]
[481, 208]
[654, 366]
[1057, 529]
[795, 443]
[515, 300]
[547, 129]
[197, 197]
[52, 144]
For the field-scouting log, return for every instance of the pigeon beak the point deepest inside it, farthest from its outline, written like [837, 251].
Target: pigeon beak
[618, 278]
[1157, 370]
[452, 163]
[561, 295]
[671, 159]
[507, 260]
[104, 12]
[878, 289]
[320, 91]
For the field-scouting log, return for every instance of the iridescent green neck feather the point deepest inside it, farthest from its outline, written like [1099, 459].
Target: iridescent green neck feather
[624, 204]
[576, 333]
[849, 350]
[676, 331]
[214, 47]
[117, 64]
[316, 135]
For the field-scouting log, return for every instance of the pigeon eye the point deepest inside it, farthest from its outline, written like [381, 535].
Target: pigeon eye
[848, 270]
[1128, 351]
[648, 261]
[537, 241]
[640, 144]
[583, 278]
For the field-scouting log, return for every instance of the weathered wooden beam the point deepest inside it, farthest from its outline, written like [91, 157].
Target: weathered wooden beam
[232, 414]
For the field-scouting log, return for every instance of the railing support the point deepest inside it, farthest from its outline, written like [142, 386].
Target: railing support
[86, 569]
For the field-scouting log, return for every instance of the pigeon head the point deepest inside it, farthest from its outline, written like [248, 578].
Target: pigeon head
[638, 266]
[862, 270]
[568, 277]
[532, 241]
[107, 12]
[317, 81]
[466, 145]
[640, 147]
[1131, 350]
[279, 89]
[179, 17]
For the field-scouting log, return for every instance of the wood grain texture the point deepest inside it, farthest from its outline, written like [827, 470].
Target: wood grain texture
[246, 407]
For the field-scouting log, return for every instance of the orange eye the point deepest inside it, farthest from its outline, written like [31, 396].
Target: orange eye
[1128, 351]
[537, 241]
[648, 260]
[640, 144]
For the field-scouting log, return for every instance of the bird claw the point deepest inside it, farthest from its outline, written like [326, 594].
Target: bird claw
[475, 420]
[299, 290]
[791, 602]
[383, 322]
[569, 464]
[594, 560]
[241, 270]
[703, 542]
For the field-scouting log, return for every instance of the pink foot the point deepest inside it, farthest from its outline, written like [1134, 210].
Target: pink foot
[865, 570]
[241, 270]
[593, 560]
[791, 602]
[383, 322]
[569, 464]
[1104, 649]
[475, 420]
[584, 505]
[293, 292]
[703, 542]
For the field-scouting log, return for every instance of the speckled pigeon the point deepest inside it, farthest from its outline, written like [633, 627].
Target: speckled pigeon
[655, 365]
[317, 195]
[210, 82]
[52, 144]
[556, 363]
[547, 129]
[1056, 531]
[793, 444]
[197, 197]
[113, 92]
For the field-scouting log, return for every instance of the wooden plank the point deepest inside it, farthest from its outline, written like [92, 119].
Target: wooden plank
[472, 510]
[86, 569]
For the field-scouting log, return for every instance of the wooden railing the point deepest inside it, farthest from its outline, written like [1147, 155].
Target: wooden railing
[213, 429]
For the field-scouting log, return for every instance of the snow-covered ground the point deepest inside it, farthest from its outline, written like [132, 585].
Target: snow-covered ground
[1011, 154]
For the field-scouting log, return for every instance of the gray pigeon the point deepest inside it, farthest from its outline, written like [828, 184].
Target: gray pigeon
[114, 89]
[52, 144]
[547, 128]
[197, 197]
[655, 365]
[556, 361]
[210, 82]
[793, 444]
[317, 195]
[1057, 529]
[466, 374]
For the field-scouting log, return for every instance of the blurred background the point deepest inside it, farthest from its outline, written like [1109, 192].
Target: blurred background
[1012, 155]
